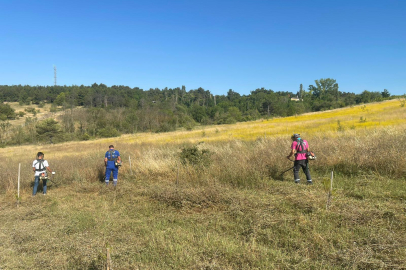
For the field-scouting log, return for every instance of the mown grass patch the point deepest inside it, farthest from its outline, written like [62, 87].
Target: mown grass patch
[164, 225]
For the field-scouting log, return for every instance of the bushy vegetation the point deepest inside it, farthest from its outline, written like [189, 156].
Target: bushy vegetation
[99, 111]
[6, 112]
[195, 156]
[229, 214]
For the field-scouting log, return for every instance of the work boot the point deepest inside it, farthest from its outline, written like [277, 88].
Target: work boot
[310, 182]
[297, 181]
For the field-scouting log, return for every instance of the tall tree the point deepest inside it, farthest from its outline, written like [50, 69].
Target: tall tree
[385, 93]
[48, 129]
[325, 94]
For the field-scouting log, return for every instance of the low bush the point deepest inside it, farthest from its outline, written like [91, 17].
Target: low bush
[108, 132]
[194, 156]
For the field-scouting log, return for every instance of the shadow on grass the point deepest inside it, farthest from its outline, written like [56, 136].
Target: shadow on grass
[101, 173]
[276, 174]
[50, 184]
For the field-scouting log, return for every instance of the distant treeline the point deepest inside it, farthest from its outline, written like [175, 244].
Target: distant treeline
[109, 111]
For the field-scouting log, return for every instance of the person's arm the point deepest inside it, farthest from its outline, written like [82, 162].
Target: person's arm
[46, 165]
[105, 161]
[292, 152]
[33, 168]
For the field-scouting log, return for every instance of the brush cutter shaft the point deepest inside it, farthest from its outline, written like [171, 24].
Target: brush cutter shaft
[287, 170]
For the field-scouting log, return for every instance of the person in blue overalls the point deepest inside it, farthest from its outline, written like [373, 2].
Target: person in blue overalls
[112, 161]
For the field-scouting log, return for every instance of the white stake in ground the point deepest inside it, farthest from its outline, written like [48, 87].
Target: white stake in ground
[18, 183]
[331, 182]
[129, 161]
[330, 193]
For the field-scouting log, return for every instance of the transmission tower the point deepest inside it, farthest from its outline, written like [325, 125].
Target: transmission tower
[54, 75]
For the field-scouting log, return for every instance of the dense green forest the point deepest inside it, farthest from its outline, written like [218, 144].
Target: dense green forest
[102, 111]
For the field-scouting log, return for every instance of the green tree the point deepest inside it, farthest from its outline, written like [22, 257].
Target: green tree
[234, 113]
[60, 99]
[325, 94]
[198, 113]
[325, 89]
[367, 96]
[385, 93]
[232, 96]
[48, 129]
[6, 112]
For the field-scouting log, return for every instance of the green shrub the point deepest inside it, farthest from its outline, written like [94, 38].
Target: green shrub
[6, 112]
[108, 132]
[54, 108]
[402, 100]
[195, 156]
[85, 137]
[339, 126]
[30, 110]
[164, 127]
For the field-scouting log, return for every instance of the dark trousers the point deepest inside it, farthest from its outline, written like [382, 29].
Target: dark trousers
[305, 167]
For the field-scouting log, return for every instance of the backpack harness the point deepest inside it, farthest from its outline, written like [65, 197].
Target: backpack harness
[112, 156]
[300, 146]
[41, 162]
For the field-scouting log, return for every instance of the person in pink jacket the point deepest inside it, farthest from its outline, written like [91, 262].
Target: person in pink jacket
[299, 148]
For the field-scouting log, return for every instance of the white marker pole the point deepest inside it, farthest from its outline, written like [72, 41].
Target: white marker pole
[331, 182]
[129, 160]
[18, 184]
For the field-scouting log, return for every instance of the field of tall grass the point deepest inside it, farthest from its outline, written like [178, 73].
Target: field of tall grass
[227, 209]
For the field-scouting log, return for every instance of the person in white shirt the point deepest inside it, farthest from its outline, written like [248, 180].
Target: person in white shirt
[40, 167]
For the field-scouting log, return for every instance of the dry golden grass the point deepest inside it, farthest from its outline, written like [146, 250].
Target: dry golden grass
[230, 214]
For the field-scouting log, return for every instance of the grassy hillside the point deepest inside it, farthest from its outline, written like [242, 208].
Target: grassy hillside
[28, 110]
[226, 211]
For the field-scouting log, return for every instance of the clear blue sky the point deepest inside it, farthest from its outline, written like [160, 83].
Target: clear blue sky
[217, 45]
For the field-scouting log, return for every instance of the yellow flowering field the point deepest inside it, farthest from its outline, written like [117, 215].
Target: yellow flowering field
[356, 119]
[374, 115]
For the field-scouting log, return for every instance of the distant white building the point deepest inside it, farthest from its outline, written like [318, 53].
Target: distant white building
[295, 98]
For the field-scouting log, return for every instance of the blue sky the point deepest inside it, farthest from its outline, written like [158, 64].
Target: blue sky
[217, 45]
